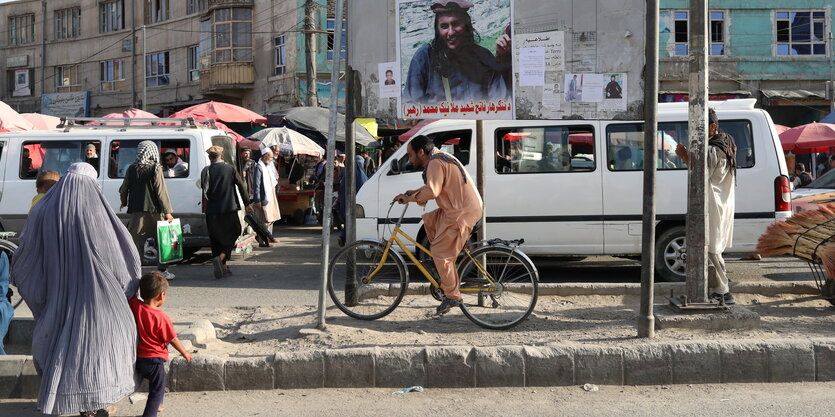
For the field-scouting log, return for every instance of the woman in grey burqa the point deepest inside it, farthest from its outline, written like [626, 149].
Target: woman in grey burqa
[76, 266]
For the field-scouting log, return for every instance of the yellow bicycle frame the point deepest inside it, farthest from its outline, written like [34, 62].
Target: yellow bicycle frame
[394, 238]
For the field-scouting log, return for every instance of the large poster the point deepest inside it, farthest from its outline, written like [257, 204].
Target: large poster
[456, 59]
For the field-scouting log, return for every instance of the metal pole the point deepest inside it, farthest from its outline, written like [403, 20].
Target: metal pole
[144, 72]
[310, 52]
[43, 52]
[480, 176]
[696, 268]
[646, 320]
[133, 53]
[830, 89]
[326, 217]
[350, 139]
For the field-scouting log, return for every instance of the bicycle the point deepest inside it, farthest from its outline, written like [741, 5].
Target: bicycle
[499, 284]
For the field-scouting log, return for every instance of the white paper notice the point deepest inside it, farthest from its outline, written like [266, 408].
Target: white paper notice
[389, 85]
[584, 88]
[551, 97]
[532, 67]
[614, 93]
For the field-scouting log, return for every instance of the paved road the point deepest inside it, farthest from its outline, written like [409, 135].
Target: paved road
[801, 399]
[289, 273]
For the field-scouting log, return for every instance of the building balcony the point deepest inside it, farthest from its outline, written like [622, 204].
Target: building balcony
[227, 76]
[214, 4]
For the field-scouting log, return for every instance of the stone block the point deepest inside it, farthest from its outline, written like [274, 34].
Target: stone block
[201, 334]
[21, 331]
[249, 374]
[696, 363]
[825, 360]
[735, 318]
[647, 365]
[30, 381]
[10, 368]
[299, 369]
[499, 366]
[401, 367]
[349, 368]
[204, 373]
[601, 365]
[791, 361]
[547, 366]
[450, 367]
[744, 362]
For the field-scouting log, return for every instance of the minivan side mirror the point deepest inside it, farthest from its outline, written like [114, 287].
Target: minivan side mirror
[395, 167]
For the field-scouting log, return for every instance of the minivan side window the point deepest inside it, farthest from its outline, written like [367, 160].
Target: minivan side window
[174, 156]
[545, 149]
[36, 157]
[625, 144]
[456, 143]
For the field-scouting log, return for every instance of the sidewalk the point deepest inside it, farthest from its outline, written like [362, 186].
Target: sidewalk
[585, 333]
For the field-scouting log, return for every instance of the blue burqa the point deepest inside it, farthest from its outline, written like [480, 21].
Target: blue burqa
[75, 267]
[6, 308]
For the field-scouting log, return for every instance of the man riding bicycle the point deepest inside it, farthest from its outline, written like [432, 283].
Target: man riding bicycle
[459, 209]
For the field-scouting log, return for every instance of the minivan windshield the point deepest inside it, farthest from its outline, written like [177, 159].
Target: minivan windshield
[827, 180]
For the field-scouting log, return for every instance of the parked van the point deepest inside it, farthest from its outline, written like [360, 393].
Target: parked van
[575, 187]
[24, 154]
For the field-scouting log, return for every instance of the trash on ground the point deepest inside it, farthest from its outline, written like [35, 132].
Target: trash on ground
[416, 388]
[590, 388]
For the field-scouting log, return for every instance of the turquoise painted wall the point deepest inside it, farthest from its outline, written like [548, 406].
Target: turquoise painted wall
[751, 38]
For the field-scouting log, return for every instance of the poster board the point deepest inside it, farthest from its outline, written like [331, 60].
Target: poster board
[597, 40]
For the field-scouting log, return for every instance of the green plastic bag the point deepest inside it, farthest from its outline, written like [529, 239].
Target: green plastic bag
[169, 241]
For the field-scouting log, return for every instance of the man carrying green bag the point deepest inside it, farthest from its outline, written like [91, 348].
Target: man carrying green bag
[169, 241]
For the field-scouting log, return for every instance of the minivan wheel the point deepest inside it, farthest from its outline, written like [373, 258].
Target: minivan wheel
[671, 255]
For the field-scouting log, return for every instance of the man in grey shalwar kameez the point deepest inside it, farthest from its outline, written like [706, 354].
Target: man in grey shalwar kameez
[75, 267]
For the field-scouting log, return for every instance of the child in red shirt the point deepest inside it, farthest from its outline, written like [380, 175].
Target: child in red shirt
[155, 333]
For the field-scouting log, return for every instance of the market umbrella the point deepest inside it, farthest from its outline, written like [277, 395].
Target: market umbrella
[223, 112]
[42, 121]
[809, 138]
[317, 120]
[781, 128]
[289, 141]
[128, 114]
[11, 120]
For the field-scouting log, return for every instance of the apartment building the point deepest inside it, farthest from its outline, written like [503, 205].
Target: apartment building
[778, 51]
[93, 57]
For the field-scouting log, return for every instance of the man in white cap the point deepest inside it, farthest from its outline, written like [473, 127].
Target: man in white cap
[174, 165]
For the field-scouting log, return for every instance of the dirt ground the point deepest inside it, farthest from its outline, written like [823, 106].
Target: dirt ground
[260, 331]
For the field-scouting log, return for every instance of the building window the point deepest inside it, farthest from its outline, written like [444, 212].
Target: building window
[681, 35]
[280, 55]
[112, 73]
[801, 32]
[66, 79]
[156, 11]
[232, 30]
[21, 29]
[331, 27]
[156, 70]
[196, 6]
[112, 16]
[194, 63]
[68, 23]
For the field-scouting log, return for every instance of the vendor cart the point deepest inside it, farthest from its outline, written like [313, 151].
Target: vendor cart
[294, 203]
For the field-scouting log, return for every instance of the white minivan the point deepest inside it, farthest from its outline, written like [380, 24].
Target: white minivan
[575, 187]
[24, 154]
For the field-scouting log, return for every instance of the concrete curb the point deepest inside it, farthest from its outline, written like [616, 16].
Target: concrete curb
[701, 362]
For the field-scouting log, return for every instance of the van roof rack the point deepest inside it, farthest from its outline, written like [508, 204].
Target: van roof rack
[69, 123]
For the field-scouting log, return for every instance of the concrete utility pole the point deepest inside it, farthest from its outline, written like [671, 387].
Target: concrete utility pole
[326, 218]
[144, 71]
[133, 53]
[646, 319]
[310, 51]
[696, 268]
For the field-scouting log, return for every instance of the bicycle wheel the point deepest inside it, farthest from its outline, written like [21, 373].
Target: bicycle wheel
[512, 298]
[354, 292]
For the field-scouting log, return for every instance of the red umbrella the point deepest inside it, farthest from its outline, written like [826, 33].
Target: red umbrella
[132, 114]
[231, 132]
[809, 138]
[781, 128]
[224, 112]
[42, 121]
[12, 120]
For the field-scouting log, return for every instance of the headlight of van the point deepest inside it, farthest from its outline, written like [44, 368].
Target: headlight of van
[359, 211]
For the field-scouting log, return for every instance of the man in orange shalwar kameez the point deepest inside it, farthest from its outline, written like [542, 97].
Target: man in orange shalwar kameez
[459, 209]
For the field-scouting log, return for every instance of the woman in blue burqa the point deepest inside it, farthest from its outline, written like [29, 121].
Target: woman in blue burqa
[75, 267]
[453, 67]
